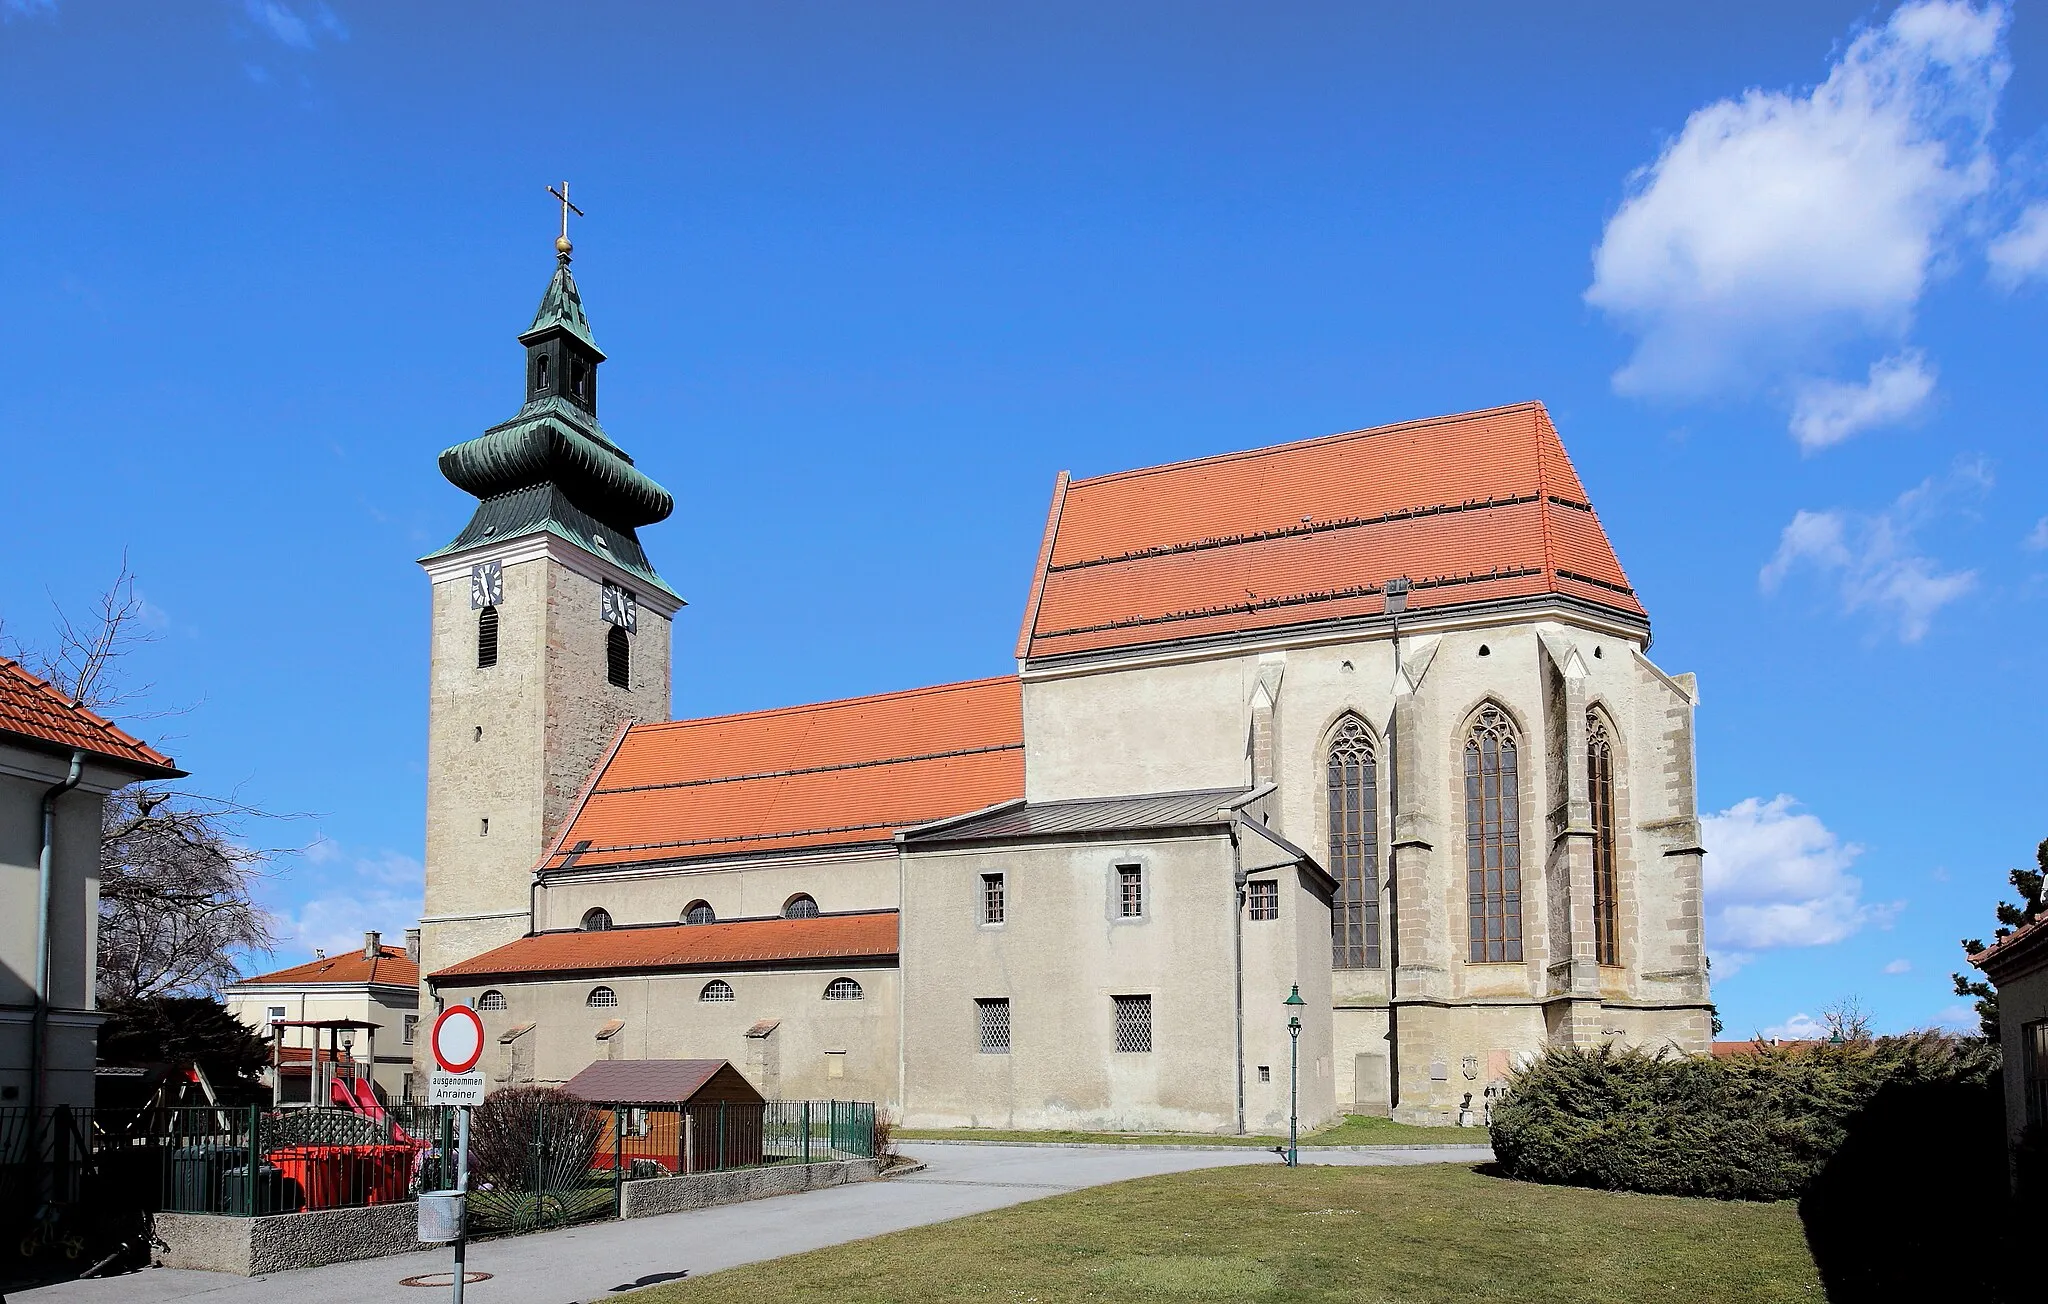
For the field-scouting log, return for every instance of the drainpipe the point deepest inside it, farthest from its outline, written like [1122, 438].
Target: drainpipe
[1237, 942]
[1396, 603]
[40, 1035]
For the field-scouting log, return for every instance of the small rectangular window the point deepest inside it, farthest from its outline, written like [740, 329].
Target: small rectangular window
[1130, 891]
[993, 1015]
[277, 1014]
[991, 898]
[412, 1028]
[1265, 1072]
[1264, 895]
[1133, 1024]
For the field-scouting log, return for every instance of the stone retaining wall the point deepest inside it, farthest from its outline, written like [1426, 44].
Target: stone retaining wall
[252, 1247]
[659, 1195]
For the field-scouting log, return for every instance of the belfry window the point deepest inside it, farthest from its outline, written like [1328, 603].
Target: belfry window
[618, 658]
[1351, 787]
[487, 638]
[1600, 791]
[1493, 839]
[579, 379]
[540, 374]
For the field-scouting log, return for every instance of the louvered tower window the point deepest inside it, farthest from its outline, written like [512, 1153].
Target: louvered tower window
[1493, 839]
[618, 658]
[486, 638]
[1351, 783]
[1600, 789]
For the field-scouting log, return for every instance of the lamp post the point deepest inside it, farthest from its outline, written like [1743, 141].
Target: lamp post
[1293, 1071]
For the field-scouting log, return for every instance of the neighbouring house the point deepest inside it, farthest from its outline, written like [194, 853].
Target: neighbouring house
[358, 1010]
[2017, 965]
[58, 763]
[1369, 716]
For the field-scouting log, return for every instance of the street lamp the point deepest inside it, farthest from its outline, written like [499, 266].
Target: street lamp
[1293, 1071]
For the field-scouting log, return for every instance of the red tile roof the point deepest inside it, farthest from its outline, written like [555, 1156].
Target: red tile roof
[2017, 952]
[31, 708]
[391, 967]
[867, 936]
[829, 774]
[1471, 508]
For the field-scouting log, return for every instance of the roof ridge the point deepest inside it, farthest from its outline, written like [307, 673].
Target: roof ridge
[1291, 445]
[651, 726]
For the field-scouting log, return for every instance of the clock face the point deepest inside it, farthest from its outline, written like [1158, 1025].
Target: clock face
[618, 607]
[486, 584]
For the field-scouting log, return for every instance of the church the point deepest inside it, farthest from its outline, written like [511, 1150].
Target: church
[1367, 720]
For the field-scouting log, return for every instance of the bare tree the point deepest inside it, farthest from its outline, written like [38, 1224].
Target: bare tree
[177, 874]
[1847, 1020]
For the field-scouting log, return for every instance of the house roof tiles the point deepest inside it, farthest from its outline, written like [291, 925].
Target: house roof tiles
[741, 942]
[1476, 507]
[31, 708]
[390, 967]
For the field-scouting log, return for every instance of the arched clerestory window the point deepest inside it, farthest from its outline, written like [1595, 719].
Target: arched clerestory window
[486, 638]
[800, 906]
[842, 989]
[1600, 792]
[596, 919]
[602, 997]
[699, 912]
[1493, 838]
[718, 989]
[1351, 787]
[618, 658]
[491, 1000]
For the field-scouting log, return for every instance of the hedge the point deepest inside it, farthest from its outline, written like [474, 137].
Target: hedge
[1753, 1127]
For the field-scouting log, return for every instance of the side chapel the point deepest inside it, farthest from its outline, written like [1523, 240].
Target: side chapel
[1369, 715]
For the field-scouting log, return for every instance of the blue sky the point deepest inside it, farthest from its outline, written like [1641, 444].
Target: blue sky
[869, 276]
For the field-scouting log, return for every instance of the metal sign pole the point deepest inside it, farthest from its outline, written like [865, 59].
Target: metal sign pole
[461, 1186]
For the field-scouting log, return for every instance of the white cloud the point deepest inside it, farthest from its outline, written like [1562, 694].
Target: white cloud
[283, 24]
[1958, 1018]
[2023, 251]
[1800, 1027]
[350, 895]
[1779, 226]
[1826, 412]
[2037, 538]
[13, 9]
[1873, 558]
[1777, 877]
[1899, 966]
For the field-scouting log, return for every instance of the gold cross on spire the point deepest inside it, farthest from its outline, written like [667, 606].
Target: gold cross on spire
[562, 245]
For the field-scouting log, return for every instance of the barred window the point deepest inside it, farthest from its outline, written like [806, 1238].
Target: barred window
[491, 1001]
[993, 1016]
[699, 912]
[1493, 839]
[603, 997]
[1130, 891]
[1351, 785]
[991, 898]
[618, 658]
[1600, 788]
[800, 906]
[842, 989]
[487, 638]
[1133, 1024]
[412, 1028]
[1264, 896]
[716, 990]
[596, 919]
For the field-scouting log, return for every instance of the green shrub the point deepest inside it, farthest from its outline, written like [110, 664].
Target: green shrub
[1754, 1127]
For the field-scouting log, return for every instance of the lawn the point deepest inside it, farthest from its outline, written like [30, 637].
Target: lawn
[1438, 1233]
[1356, 1130]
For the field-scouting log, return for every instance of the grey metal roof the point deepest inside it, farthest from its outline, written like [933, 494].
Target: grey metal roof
[1092, 815]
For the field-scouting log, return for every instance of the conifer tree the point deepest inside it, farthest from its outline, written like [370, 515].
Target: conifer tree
[2027, 882]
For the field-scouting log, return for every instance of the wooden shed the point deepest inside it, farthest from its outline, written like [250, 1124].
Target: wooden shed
[685, 1115]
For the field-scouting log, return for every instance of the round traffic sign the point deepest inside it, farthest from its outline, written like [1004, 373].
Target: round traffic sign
[458, 1039]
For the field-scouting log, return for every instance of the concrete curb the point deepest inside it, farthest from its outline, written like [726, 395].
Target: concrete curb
[1173, 1146]
[904, 1170]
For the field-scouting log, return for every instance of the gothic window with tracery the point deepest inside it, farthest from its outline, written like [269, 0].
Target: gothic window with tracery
[1493, 838]
[1606, 890]
[1352, 786]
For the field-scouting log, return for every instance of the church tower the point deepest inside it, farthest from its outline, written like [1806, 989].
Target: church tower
[550, 631]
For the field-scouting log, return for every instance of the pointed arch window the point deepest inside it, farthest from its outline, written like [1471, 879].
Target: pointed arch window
[1493, 838]
[1606, 888]
[486, 638]
[1351, 787]
[618, 658]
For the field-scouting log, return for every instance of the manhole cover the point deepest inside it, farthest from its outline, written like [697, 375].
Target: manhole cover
[443, 1279]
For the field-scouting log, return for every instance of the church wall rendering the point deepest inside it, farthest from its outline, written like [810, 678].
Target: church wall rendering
[1371, 715]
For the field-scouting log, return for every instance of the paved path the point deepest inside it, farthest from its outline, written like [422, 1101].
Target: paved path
[596, 1259]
